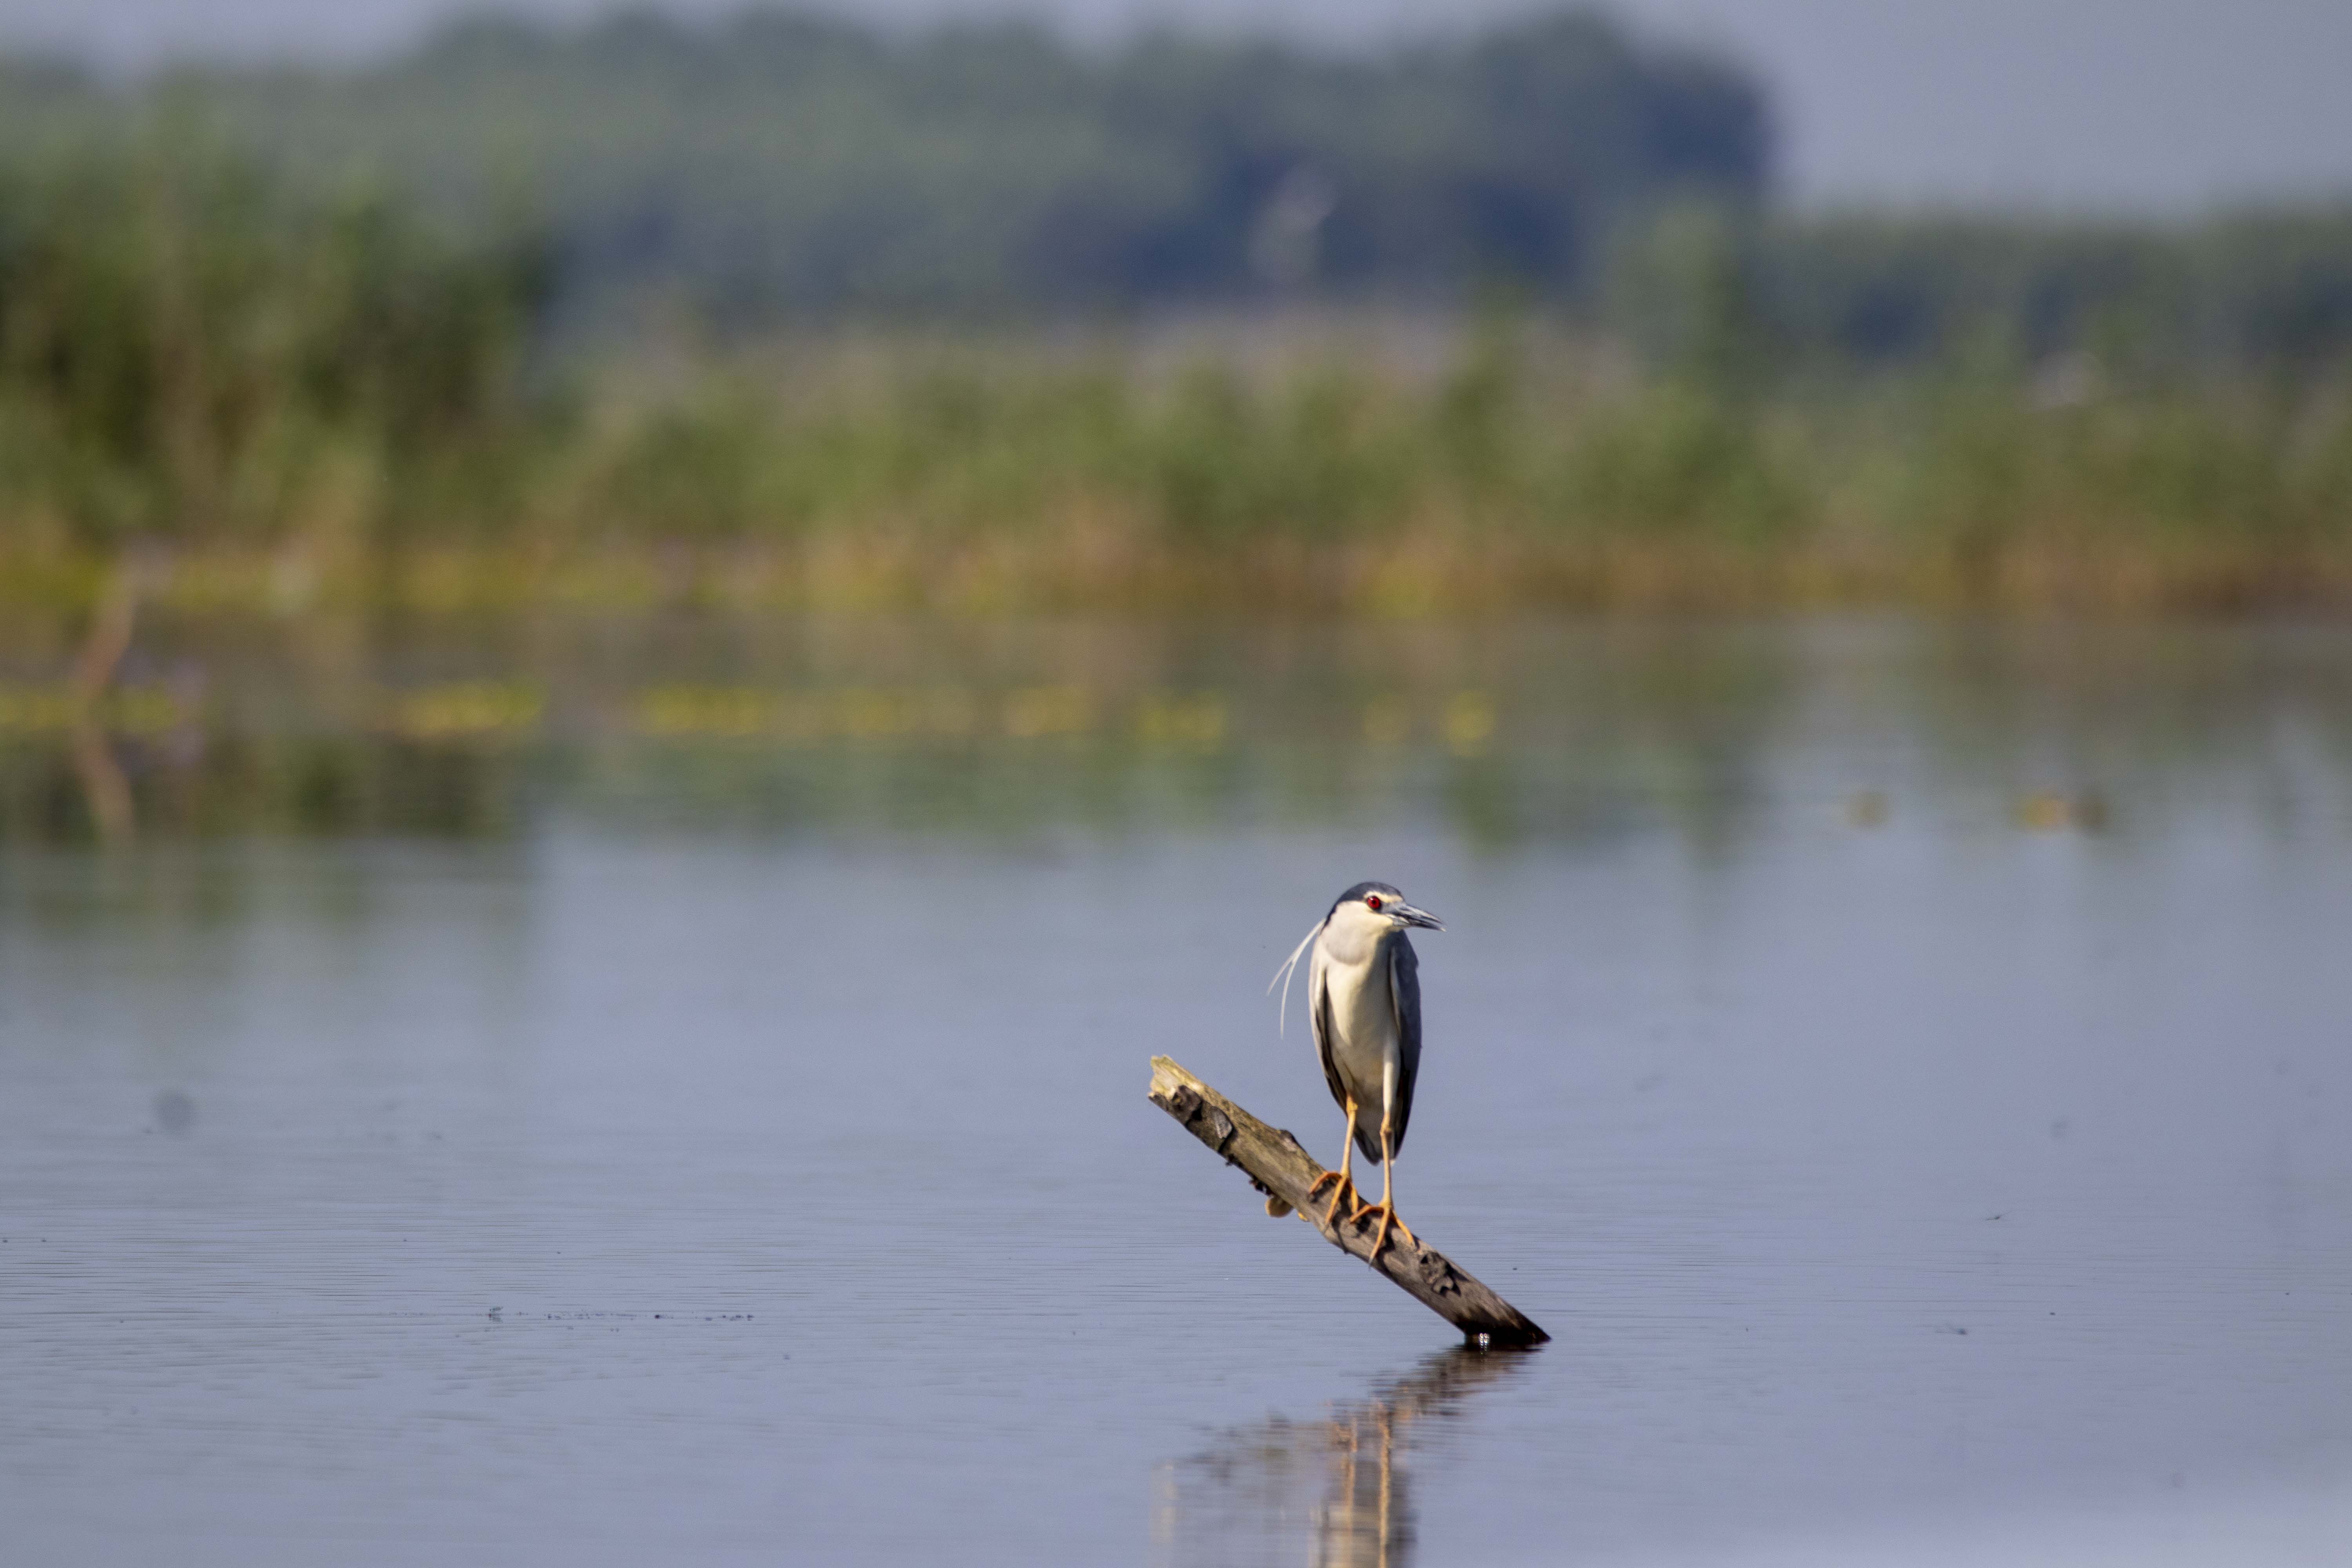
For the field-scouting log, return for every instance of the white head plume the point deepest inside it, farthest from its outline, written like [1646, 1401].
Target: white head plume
[1283, 975]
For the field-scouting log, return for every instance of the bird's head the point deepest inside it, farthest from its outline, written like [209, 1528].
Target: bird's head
[1365, 912]
[1376, 907]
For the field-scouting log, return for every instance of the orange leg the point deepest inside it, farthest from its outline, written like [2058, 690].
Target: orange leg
[1386, 1207]
[1346, 1188]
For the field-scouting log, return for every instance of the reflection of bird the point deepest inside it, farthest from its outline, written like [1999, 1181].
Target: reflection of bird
[1363, 995]
[1345, 1480]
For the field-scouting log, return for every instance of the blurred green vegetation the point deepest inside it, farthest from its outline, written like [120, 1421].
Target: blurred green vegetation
[785, 314]
[781, 162]
[268, 384]
[189, 351]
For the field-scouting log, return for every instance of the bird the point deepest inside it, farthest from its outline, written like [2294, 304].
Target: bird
[1363, 999]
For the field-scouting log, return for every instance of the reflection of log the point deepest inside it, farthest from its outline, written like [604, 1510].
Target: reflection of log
[1278, 1168]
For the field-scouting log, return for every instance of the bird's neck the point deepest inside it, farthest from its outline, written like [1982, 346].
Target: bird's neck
[1355, 942]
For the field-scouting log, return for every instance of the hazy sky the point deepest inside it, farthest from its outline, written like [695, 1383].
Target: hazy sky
[2119, 104]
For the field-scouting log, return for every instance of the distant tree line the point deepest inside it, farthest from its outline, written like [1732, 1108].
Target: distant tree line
[1749, 300]
[2269, 289]
[784, 161]
[782, 165]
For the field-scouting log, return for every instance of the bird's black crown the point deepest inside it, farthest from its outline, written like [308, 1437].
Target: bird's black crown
[1361, 888]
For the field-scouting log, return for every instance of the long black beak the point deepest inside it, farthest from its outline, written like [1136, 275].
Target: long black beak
[1413, 917]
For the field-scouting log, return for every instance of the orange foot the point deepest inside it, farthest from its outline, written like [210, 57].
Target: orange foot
[1388, 1217]
[1346, 1191]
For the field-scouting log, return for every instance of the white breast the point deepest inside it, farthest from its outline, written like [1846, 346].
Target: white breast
[1363, 1020]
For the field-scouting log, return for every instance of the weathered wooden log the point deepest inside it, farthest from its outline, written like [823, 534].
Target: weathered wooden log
[1278, 1168]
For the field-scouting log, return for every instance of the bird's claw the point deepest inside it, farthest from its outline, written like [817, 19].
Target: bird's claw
[1346, 1190]
[1388, 1218]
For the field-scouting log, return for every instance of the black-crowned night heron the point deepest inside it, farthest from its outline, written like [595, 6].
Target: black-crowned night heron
[1363, 995]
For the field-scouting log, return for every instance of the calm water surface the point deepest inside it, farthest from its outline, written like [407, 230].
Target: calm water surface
[694, 1113]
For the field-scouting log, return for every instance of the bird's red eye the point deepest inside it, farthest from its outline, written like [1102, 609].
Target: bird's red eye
[1373, 902]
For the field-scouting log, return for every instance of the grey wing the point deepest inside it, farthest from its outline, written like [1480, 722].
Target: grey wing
[1404, 991]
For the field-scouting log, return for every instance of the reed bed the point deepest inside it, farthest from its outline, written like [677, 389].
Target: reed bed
[239, 401]
[1036, 486]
